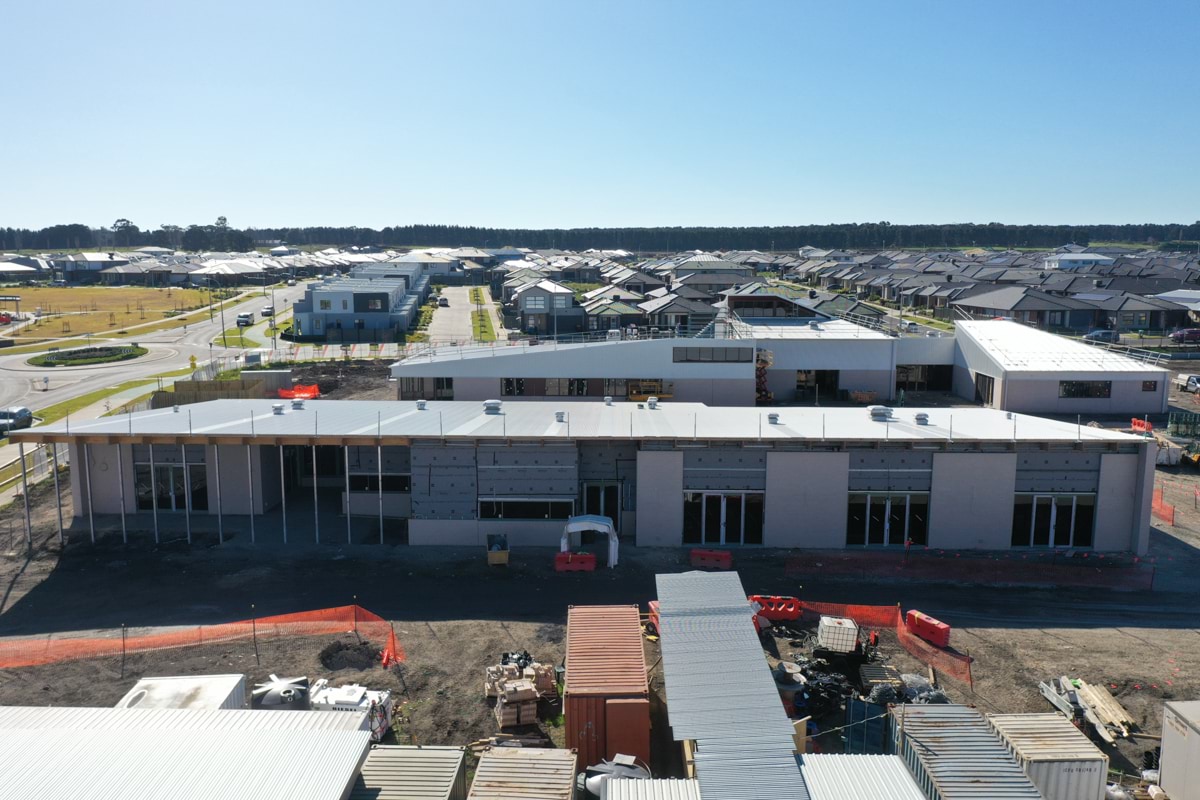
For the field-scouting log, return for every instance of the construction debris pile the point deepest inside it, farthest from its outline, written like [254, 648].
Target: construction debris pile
[1081, 702]
[517, 683]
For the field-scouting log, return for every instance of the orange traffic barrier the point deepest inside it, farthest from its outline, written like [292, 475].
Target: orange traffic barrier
[776, 608]
[711, 559]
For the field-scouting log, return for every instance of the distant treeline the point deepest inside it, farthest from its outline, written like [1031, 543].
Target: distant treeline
[856, 236]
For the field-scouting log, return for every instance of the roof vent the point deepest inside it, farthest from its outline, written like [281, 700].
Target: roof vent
[922, 418]
[652, 402]
[560, 416]
[421, 405]
[879, 412]
[816, 326]
[608, 400]
[297, 403]
[176, 409]
[492, 406]
[277, 408]
[773, 418]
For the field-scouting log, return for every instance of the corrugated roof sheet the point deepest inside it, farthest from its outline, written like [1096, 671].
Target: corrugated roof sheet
[604, 651]
[835, 776]
[720, 691]
[412, 773]
[1044, 737]
[464, 420]
[515, 773]
[1020, 348]
[953, 750]
[661, 789]
[178, 754]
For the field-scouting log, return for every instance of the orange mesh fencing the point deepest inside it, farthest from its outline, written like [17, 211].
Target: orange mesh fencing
[948, 662]
[1161, 508]
[29, 652]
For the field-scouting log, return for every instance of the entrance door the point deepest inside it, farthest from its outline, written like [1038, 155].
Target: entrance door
[603, 499]
[733, 518]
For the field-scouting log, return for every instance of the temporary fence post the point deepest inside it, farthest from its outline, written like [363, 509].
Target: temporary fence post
[153, 489]
[220, 510]
[254, 634]
[346, 470]
[187, 493]
[283, 492]
[316, 509]
[354, 611]
[25, 496]
[121, 481]
[57, 493]
[87, 484]
[250, 482]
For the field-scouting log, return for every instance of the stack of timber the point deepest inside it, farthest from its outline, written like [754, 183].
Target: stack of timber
[1079, 700]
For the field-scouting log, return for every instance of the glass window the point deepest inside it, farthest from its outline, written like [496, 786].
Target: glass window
[753, 531]
[692, 521]
[614, 387]
[326, 305]
[512, 387]
[1084, 389]
[345, 304]
[1149, 386]
[375, 304]
[577, 387]
[556, 387]
[856, 520]
[561, 301]
[887, 519]
[1064, 520]
[535, 303]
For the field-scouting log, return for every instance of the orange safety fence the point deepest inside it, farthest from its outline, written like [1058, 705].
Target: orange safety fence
[1161, 508]
[301, 392]
[28, 652]
[948, 662]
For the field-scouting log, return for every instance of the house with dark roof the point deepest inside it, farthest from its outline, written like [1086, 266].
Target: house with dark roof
[1031, 306]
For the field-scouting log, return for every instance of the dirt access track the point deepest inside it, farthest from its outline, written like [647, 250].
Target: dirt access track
[454, 615]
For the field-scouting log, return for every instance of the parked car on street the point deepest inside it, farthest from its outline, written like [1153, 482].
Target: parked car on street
[1187, 382]
[268, 311]
[15, 418]
[1186, 335]
[1103, 336]
[443, 302]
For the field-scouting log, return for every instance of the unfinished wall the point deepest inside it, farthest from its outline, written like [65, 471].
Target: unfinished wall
[971, 504]
[660, 498]
[1118, 514]
[806, 499]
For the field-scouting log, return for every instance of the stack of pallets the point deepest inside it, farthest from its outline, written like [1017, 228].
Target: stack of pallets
[516, 704]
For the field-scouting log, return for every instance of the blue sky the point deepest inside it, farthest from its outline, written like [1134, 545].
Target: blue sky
[571, 113]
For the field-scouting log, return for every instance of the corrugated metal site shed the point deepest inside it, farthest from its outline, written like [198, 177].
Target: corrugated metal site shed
[181, 754]
[1056, 756]
[517, 773]
[607, 695]
[412, 773]
[955, 755]
[836, 776]
[663, 789]
[720, 692]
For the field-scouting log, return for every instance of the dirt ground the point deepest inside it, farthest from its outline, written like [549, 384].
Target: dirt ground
[100, 309]
[348, 380]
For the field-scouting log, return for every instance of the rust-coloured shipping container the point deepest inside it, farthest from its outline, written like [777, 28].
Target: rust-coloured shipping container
[606, 702]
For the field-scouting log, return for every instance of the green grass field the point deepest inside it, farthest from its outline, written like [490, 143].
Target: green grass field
[235, 337]
[481, 327]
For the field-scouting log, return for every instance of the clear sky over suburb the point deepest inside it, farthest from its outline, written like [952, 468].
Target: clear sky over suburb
[575, 114]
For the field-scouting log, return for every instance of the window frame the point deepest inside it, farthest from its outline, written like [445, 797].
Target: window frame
[1084, 390]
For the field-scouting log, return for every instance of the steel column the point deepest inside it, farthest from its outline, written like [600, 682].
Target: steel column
[316, 508]
[250, 481]
[187, 493]
[87, 477]
[121, 480]
[283, 492]
[25, 496]
[220, 509]
[346, 469]
[57, 493]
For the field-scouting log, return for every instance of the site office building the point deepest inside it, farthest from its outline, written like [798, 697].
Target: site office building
[669, 474]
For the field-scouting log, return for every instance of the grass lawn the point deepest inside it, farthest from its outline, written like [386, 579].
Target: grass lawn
[69, 311]
[88, 355]
[481, 327]
[235, 337]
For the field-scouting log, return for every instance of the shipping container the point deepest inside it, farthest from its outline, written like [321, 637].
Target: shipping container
[507, 773]
[187, 691]
[1179, 763]
[866, 727]
[955, 755]
[1056, 756]
[838, 776]
[658, 789]
[606, 700]
[408, 773]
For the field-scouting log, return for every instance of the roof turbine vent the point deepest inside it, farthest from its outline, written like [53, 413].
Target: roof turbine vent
[492, 406]
[652, 402]
[421, 405]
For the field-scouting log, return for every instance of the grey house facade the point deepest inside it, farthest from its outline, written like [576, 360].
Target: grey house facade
[669, 475]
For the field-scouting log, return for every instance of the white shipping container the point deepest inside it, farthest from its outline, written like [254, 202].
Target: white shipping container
[837, 634]
[1179, 763]
[1056, 756]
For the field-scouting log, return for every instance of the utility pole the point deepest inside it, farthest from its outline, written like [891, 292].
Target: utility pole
[224, 340]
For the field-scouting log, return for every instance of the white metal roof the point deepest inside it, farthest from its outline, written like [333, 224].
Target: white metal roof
[1044, 737]
[799, 328]
[178, 754]
[1020, 348]
[836, 776]
[659, 789]
[582, 420]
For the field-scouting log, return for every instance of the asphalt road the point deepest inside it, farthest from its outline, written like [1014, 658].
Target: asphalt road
[21, 384]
